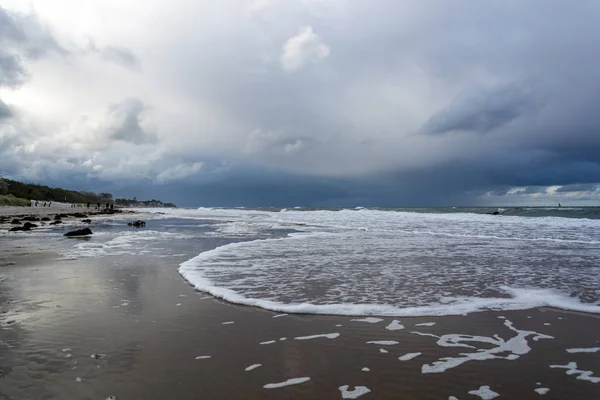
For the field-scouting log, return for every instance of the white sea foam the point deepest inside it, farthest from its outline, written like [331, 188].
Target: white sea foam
[325, 335]
[383, 351]
[289, 382]
[581, 375]
[365, 369]
[203, 357]
[395, 325]
[279, 315]
[268, 342]
[355, 393]
[253, 366]
[426, 324]
[485, 393]
[227, 323]
[369, 320]
[383, 342]
[409, 356]
[516, 346]
[584, 350]
[497, 265]
[541, 391]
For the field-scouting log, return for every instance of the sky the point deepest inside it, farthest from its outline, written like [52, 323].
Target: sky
[304, 102]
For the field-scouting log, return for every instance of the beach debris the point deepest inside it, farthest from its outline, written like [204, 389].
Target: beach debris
[383, 351]
[325, 335]
[515, 346]
[137, 224]
[111, 398]
[584, 350]
[370, 320]
[289, 382]
[583, 375]
[547, 323]
[383, 342]
[485, 393]
[228, 323]
[252, 367]
[353, 394]
[426, 324]
[79, 232]
[365, 369]
[409, 356]
[541, 391]
[97, 356]
[395, 325]
[78, 379]
[203, 357]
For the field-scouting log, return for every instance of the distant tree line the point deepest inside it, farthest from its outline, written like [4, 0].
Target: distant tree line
[31, 191]
[142, 203]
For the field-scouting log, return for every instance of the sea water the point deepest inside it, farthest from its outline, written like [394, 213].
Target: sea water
[395, 262]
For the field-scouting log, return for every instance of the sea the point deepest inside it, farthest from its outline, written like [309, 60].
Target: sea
[369, 261]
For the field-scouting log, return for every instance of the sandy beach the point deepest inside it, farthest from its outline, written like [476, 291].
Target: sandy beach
[131, 327]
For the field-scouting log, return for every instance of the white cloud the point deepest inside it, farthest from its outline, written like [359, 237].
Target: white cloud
[304, 48]
[178, 172]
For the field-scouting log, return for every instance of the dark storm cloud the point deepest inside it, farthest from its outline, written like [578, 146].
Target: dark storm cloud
[22, 36]
[481, 111]
[124, 122]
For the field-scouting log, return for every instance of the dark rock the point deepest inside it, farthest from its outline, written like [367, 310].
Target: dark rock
[56, 222]
[87, 221]
[15, 222]
[79, 232]
[137, 224]
[31, 218]
[45, 219]
[19, 228]
[29, 225]
[79, 215]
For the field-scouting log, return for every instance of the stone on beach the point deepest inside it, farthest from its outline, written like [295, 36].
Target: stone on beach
[79, 232]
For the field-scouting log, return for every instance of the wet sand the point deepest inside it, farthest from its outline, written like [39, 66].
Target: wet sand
[148, 326]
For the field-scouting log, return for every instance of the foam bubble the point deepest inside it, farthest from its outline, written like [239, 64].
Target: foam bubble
[516, 346]
[325, 335]
[395, 325]
[485, 393]
[409, 356]
[541, 391]
[355, 393]
[584, 350]
[581, 375]
[289, 382]
[383, 342]
[252, 367]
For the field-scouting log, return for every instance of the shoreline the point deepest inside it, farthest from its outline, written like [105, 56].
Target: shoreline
[153, 334]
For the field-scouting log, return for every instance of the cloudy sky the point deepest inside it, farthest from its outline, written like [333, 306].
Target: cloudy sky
[304, 102]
